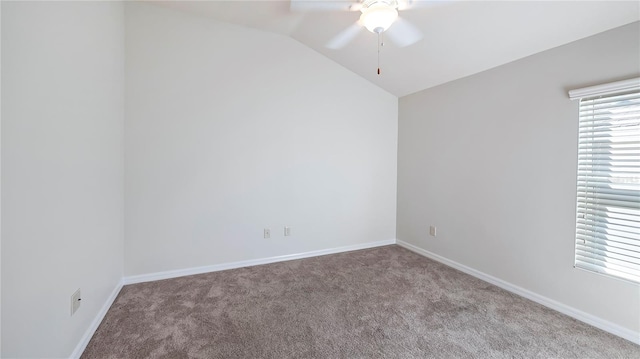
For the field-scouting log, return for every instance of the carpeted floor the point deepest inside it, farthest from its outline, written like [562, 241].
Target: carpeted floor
[385, 302]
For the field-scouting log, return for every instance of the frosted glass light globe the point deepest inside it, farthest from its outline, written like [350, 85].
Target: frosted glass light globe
[378, 19]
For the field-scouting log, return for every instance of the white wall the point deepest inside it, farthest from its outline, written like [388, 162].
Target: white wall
[491, 161]
[62, 170]
[230, 130]
[0, 182]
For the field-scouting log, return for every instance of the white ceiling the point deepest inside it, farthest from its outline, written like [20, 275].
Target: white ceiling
[460, 38]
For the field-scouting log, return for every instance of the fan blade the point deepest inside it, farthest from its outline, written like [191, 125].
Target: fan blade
[421, 4]
[344, 37]
[403, 33]
[324, 5]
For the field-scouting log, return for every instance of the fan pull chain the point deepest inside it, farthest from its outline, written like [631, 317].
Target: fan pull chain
[379, 44]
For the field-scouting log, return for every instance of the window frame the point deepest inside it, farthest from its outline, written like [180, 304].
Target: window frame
[597, 265]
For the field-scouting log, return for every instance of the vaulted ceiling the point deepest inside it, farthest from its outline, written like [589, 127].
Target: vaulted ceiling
[460, 38]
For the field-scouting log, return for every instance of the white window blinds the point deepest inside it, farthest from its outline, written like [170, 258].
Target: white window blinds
[608, 187]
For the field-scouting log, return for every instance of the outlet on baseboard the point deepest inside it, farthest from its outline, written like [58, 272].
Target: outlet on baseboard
[75, 301]
[432, 231]
[267, 233]
[287, 231]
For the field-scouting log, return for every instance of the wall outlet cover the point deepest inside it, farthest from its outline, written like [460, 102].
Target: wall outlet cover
[76, 299]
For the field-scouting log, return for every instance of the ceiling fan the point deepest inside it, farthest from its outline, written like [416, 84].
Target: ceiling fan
[377, 16]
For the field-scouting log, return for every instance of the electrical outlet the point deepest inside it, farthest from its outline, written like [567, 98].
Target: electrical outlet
[267, 233]
[432, 231]
[75, 301]
[287, 231]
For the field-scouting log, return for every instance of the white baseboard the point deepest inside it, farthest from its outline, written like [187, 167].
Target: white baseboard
[597, 322]
[82, 345]
[252, 262]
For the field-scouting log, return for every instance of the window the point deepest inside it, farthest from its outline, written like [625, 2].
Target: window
[608, 188]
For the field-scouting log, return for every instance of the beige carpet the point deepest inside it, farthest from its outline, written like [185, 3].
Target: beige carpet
[385, 302]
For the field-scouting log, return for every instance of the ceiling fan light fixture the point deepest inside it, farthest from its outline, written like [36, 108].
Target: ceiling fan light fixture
[378, 19]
